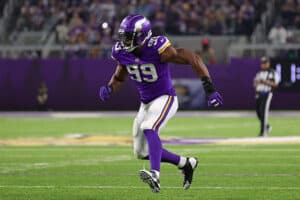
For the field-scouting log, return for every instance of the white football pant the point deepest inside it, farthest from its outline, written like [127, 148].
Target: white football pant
[153, 115]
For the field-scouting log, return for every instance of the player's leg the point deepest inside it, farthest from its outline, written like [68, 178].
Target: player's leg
[267, 127]
[159, 112]
[156, 113]
[263, 125]
[140, 143]
[140, 146]
[260, 112]
[186, 165]
[257, 106]
[166, 155]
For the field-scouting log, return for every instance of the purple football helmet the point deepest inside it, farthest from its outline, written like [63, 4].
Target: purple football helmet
[134, 31]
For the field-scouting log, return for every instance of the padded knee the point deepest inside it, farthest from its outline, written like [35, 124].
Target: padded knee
[139, 154]
[146, 125]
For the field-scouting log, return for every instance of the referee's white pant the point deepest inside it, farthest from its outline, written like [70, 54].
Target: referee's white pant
[263, 101]
[153, 115]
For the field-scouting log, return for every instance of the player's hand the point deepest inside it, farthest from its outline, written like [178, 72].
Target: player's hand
[105, 92]
[215, 99]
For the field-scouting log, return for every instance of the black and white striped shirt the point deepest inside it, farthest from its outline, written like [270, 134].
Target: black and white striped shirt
[268, 75]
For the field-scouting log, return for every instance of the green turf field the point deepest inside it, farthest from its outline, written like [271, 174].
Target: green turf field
[178, 126]
[111, 172]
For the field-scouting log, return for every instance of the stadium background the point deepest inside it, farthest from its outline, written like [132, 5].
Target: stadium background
[61, 49]
[55, 54]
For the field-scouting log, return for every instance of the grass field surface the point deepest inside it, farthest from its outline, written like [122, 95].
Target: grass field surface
[236, 171]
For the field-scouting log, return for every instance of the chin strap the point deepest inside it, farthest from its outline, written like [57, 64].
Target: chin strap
[132, 47]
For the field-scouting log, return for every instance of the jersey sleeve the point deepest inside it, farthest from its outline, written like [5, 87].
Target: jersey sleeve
[115, 51]
[159, 44]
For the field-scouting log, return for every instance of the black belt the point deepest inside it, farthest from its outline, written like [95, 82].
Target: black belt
[263, 92]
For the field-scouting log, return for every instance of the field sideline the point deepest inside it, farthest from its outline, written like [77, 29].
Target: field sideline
[118, 114]
[232, 170]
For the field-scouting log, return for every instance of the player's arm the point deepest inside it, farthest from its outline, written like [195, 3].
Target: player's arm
[115, 83]
[184, 56]
[118, 78]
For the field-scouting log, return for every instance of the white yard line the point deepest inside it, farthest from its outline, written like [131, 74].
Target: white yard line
[113, 162]
[100, 149]
[105, 174]
[144, 187]
[87, 162]
[207, 157]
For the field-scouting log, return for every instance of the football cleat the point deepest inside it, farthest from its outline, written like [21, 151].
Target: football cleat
[268, 129]
[151, 179]
[188, 172]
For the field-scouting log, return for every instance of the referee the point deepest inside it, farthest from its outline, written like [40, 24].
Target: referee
[265, 81]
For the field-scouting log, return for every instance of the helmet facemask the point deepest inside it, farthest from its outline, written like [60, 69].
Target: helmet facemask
[131, 40]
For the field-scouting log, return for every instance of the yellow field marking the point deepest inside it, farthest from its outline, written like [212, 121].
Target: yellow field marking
[262, 140]
[89, 140]
[127, 140]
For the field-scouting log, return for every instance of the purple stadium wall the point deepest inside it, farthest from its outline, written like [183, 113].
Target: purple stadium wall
[73, 85]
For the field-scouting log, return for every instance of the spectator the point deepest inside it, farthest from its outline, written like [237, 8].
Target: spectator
[297, 17]
[107, 10]
[95, 7]
[144, 8]
[75, 21]
[82, 19]
[247, 14]
[173, 20]
[288, 12]
[42, 96]
[278, 34]
[93, 35]
[106, 41]
[124, 9]
[159, 23]
[175, 17]
[37, 18]
[207, 53]
[62, 31]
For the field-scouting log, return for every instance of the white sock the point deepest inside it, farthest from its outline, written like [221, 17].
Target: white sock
[182, 162]
[157, 173]
[193, 162]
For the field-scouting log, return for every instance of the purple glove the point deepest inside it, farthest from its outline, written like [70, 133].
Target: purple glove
[105, 92]
[215, 99]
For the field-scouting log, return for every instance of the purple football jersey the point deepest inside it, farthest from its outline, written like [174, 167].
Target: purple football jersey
[151, 77]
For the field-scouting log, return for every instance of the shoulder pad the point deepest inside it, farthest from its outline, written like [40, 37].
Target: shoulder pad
[115, 51]
[159, 43]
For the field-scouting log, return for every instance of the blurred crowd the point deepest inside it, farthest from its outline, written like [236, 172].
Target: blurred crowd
[2, 3]
[286, 22]
[94, 22]
[289, 13]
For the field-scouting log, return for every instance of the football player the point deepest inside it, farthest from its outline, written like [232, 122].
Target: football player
[145, 60]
